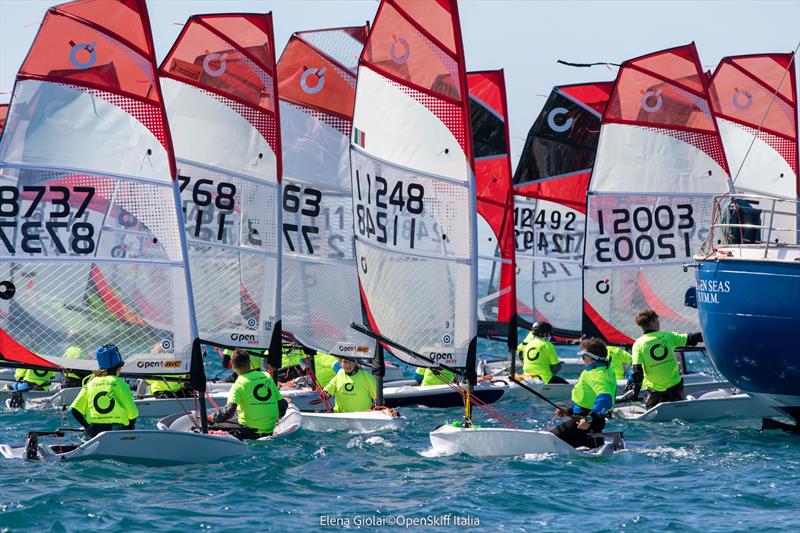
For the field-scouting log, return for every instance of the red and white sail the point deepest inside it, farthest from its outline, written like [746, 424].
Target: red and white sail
[755, 100]
[659, 162]
[3, 115]
[90, 242]
[551, 184]
[414, 184]
[495, 198]
[317, 79]
[221, 99]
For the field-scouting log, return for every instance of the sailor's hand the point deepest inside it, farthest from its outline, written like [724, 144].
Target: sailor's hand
[210, 419]
[560, 412]
[583, 424]
[485, 377]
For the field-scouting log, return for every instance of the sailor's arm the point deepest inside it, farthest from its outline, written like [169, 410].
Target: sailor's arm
[223, 414]
[78, 407]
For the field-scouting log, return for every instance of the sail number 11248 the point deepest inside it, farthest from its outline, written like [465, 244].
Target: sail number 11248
[387, 212]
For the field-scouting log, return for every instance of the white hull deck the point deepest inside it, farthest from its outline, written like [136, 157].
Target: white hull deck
[362, 422]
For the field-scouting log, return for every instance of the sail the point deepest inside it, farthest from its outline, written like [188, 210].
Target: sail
[413, 183]
[91, 249]
[220, 96]
[659, 163]
[495, 200]
[317, 81]
[755, 101]
[550, 184]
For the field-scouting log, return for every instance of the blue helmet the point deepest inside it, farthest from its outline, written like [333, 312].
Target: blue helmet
[108, 357]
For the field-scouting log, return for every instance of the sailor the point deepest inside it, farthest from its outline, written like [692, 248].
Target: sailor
[654, 361]
[425, 377]
[292, 360]
[256, 398]
[538, 354]
[618, 357]
[355, 390]
[105, 402]
[74, 378]
[31, 379]
[592, 396]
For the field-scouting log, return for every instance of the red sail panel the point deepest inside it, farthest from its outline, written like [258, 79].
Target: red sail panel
[3, 115]
[758, 92]
[229, 56]
[494, 188]
[666, 90]
[302, 73]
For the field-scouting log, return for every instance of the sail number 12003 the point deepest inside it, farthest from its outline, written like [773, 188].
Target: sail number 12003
[644, 233]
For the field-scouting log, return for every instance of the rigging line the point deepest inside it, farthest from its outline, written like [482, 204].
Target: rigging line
[584, 65]
[769, 107]
[480, 404]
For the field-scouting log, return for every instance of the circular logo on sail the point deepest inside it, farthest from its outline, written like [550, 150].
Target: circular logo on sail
[549, 297]
[251, 322]
[82, 60]
[658, 101]
[258, 395]
[96, 403]
[364, 264]
[659, 355]
[349, 387]
[397, 43]
[748, 99]
[219, 70]
[166, 344]
[447, 339]
[7, 290]
[602, 286]
[553, 122]
[317, 84]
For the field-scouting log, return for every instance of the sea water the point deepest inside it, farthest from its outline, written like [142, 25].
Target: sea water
[725, 476]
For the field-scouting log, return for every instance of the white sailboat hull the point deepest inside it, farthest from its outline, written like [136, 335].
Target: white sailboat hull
[502, 442]
[711, 406]
[142, 447]
[288, 424]
[367, 421]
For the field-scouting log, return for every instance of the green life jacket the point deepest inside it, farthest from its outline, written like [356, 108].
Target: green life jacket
[74, 352]
[293, 358]
[655, 351]
[353, 393]
[617, 358]
[39, 378]
[429, 377]
[256, 397]
[106, 400]
[538, 356]
[592, 383]
[323, 368]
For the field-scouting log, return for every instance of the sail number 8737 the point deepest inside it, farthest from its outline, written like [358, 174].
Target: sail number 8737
[663, 233]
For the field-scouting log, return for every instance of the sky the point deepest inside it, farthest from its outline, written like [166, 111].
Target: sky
[523, 37]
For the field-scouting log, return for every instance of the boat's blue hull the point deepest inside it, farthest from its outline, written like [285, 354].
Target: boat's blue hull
[750, 317]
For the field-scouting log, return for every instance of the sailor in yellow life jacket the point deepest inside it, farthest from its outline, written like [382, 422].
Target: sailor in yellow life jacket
[325, 368]
[618, 357]
[539, 356]
[354, 389]
[592, 397]
[256, 399]
[105, 402]
[256, 361]
[176, 387]
[27, 379]
[654, 361]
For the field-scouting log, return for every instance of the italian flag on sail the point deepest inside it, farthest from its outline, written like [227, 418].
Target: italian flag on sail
[359, 137]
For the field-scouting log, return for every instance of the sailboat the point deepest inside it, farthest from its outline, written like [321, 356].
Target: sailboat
[86, 150]
[747, 277]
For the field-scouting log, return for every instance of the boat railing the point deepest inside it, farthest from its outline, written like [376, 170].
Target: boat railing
[753, 221]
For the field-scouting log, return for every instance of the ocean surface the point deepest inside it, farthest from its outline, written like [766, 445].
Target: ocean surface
[676, 477]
